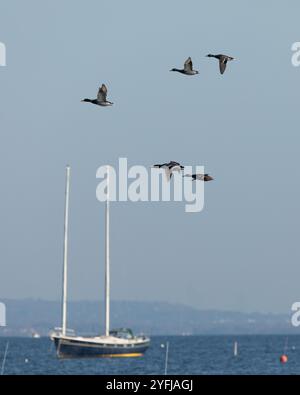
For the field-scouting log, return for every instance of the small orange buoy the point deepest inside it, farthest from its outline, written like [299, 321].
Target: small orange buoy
[283, 358]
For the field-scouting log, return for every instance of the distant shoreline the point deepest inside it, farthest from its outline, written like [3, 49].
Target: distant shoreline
[26, 317]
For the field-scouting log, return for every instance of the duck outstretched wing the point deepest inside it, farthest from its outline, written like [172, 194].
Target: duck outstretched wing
[102, 93]
[188, 64]
[223, 63]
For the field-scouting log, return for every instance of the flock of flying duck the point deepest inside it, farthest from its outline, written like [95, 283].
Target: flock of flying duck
[172, 166]
[188, 64]
[175, 166]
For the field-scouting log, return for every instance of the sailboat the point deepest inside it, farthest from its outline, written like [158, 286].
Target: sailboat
[114, 343]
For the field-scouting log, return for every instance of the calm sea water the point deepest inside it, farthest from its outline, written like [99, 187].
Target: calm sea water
[195, 355]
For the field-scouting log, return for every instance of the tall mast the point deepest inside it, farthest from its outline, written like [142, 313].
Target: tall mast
[107, 271]
[65, 268]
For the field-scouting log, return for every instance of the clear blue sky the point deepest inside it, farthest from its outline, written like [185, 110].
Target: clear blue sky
[242, 252]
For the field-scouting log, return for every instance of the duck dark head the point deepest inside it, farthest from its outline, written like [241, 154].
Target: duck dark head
[87, 100]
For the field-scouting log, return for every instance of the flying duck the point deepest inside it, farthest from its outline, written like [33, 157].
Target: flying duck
[170, 168]
[223, 59]
[200, 177]
[188, 68]
[101, 98]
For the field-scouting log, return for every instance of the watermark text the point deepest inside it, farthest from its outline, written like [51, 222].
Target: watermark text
[296, 54]
[2, 314]
[141, 184]
[296, 316]
[2, 54]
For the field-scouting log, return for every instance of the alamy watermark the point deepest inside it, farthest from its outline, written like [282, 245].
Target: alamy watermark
[2, 314]
[296, 316]
[296, 54]
[2, 54]
[142, 184]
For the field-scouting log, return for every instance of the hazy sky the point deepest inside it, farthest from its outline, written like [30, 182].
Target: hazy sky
[242, 252]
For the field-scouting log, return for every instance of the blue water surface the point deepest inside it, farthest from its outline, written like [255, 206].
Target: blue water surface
[195, 355]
